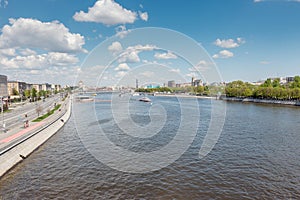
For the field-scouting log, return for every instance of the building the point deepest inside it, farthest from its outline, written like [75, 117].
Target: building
[37, 87]
[289, 79]
[80, 84]
[181, 85]
[58, 87]
[29, 86]
[3, 86]
[171, 84]
[136, 84]
[197, 82]
[55, 87]
[16, 86]
[46, 87]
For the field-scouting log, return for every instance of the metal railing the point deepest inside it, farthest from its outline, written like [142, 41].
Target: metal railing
[63, 111]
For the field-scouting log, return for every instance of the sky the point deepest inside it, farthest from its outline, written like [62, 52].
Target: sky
[106, 42]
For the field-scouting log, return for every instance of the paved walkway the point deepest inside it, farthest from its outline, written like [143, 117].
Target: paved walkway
[18, 131]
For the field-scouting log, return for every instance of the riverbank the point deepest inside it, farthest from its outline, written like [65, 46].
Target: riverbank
[262, 101]
[21, 149]
[184, 96]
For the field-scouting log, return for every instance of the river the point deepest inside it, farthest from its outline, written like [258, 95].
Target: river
[257, 156]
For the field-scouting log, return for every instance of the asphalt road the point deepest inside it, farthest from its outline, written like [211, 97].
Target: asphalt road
[17, 115]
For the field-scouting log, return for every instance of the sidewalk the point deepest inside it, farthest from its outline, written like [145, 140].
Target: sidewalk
[19, 143]
[18, 132]
[11, 135]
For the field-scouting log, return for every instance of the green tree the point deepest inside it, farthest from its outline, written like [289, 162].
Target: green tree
[27, 93]
[199, 89]
[276, 83]
[296, 82]
[33, 93]
[267, 83]
[15, 91]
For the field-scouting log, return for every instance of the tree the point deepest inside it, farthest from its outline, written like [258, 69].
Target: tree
[276, 83]
[38, 110]
[199, 89]
[42, 93]
[267, 83]
[296, 82]
[15, 91]
[33, 93]
[27, 93]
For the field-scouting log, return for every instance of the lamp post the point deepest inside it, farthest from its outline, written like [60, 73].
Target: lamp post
[2, 110]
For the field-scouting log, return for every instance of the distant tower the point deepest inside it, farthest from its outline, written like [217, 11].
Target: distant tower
[192, 83]
[136, 84]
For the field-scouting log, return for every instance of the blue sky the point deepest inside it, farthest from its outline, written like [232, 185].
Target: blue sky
[49, 40]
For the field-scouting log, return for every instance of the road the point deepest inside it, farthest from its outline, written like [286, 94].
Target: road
[17, 115]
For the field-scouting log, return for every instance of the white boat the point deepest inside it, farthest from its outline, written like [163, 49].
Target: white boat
[84, 98]
[145, 99]
[135, 94]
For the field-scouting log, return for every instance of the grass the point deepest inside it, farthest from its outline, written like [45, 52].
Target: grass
[47, 114]
[7, 111]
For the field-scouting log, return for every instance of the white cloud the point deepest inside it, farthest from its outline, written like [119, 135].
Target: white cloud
[120, 74]
[27, 52]
[140, 48]
[201, 66]
[223, 54]
[192, 74]
[32, 33]
[122, 67]
[263, 62]
[167, 55]
[229, 43]
[147, 74]
[7, 52]
[42, 61]
[115, 47]
[3, 3]
[61, 59]
[107, 12]
[175, 70]
[143, 16]
[121, 31]
[129, 57]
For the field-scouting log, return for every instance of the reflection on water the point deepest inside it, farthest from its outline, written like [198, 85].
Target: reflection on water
[256, 157]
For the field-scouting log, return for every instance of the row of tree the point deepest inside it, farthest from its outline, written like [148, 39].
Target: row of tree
[33, 94]
[270, 89]
[198, 90]
[152, 90]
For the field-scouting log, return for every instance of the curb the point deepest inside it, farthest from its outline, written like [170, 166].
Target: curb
[14, 154]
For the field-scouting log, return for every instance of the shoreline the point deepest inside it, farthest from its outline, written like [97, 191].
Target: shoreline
[263, 101]
[185, 96]
[15, 154]
[242, 100]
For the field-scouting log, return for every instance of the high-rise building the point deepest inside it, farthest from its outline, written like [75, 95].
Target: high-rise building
[3, 86]
[171, 84]
[16, 86]
[197, 82]
[136, 84]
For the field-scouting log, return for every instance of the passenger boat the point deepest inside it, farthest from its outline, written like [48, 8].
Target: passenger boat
[145, 99]
[84, 98]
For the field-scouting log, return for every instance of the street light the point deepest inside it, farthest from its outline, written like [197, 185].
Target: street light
[2, 110]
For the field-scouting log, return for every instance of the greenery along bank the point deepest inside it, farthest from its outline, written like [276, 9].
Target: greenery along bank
[270, 89]
[195, 90]
[47, 114]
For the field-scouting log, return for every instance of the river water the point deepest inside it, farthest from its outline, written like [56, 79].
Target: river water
[256, 157]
